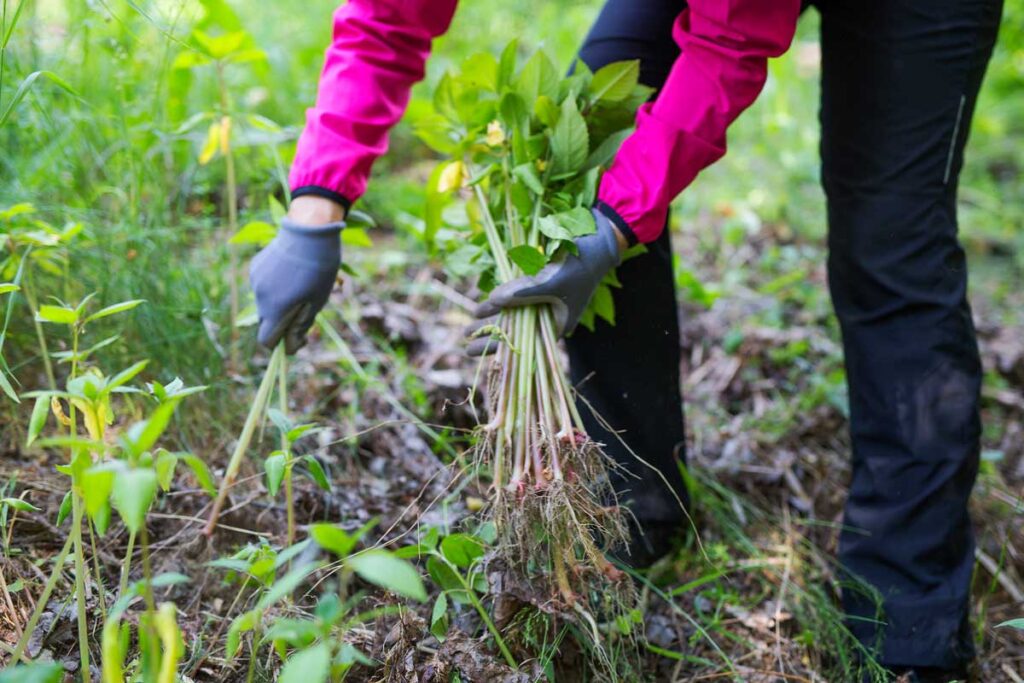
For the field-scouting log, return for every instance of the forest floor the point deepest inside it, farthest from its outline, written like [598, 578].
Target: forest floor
[755, 600]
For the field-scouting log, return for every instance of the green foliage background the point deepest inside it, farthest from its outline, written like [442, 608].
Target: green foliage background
[121, 153]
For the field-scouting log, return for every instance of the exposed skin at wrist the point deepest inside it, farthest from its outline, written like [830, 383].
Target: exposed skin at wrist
[621, 240]
[315, 211]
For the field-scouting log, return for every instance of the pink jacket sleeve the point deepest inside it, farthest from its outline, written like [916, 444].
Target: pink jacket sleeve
[721, 70]
[377, 53]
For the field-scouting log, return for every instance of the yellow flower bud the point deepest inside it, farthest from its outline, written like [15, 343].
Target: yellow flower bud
[495, 134]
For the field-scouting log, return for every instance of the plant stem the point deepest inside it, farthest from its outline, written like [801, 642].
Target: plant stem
[100, 590]
[232, 202]
[127, 566]
[147, 592]
[282, 396]
[493, 238]
[505, 652]
[30, 297]
[81, 568]
[44, 598]
[259, 405]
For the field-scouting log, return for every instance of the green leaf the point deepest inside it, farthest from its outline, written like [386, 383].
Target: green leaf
[243, 622]
[274, 466]
[259, 233]
[383, 569]
[603, 303]
[507, 64]
[61, 315]
[333, 538]
[439, 618]
[201, 472]
[7, 287]
[538, 77]
[126, 375]
[312, 665]
[553, 229]
[614, 82]
[462, 550]
[40, 411]
[445, 577]
[134, 491]
[299, 431]
[33, 673]
[286, 585]
[481, 71]
[528, 258]
[19, 504]
[570, 141]
[528, 174]
[356, 237]
[65, 508]
[26, 85]
[547, 111]
[5, 385]
[164, 465]
[219, 47]
[579, 221]
[316, 472]
[142, 436]
[1012, 623]
[97, 485]
[190, 60]
[606, 151]
[114, 309]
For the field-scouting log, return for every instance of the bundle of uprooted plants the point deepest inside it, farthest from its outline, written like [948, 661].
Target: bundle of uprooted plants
[526, 150]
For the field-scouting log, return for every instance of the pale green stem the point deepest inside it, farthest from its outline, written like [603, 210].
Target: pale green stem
[282, 397]
[81, 568]
[30, 297]
[44, 599]
[493, 238]
[127, 566]
[259, 405]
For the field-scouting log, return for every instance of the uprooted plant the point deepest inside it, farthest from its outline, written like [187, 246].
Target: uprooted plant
[527, 150]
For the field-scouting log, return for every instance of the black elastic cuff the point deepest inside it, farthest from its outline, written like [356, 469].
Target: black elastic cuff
[620, 223]
[315, 191]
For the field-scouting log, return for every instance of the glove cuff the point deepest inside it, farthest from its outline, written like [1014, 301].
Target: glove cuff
[301, 230]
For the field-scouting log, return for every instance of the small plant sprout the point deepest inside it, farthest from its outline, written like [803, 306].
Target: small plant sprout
[109, 469]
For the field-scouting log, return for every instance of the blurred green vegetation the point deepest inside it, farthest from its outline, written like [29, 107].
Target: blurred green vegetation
[121, 152]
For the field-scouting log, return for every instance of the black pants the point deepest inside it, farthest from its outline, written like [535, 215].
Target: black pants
[899, 83]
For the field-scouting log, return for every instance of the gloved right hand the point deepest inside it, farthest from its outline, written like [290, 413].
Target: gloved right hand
[292, 278]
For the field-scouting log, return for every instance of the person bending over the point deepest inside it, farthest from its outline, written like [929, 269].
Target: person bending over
[899, 83]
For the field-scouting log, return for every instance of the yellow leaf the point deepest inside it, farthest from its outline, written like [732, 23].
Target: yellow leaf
[58, 412]
[210, 146]
[92, 420]
[225, 135]
[452, 177]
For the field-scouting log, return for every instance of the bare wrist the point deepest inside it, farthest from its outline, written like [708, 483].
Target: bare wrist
[314, 211]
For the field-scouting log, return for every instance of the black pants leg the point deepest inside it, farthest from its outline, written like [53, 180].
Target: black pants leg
[899, 83]
[629, 373]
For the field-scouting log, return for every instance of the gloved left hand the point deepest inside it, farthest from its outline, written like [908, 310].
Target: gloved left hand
[567, 285]
[292, 278]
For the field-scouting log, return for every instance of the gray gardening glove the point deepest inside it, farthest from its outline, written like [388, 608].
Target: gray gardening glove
[567, 285]
[292, 278]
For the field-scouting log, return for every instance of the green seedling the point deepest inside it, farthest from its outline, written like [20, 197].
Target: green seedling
[106, 474]
[280, 464]
[32, 247]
